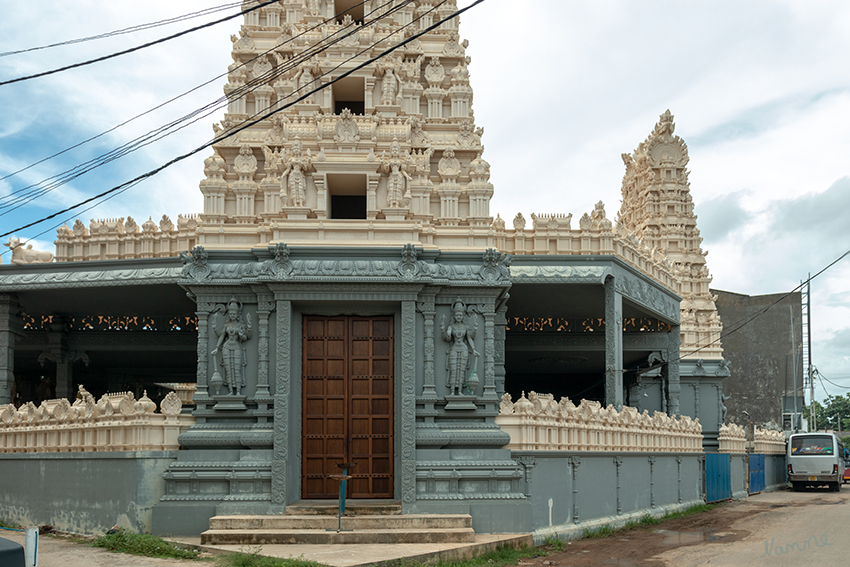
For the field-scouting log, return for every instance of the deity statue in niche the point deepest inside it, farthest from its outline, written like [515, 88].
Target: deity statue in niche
[305, 79]
[460, 336]
[297, 167]
[231, 343]
[389, 87]
[398, 189]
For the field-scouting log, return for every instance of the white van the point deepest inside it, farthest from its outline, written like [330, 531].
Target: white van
[815, 459]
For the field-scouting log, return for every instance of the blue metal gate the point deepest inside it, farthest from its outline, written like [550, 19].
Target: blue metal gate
[718, 477]
[756, 474]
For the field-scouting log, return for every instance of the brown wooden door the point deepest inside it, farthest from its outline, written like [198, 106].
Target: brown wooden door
[347, 405]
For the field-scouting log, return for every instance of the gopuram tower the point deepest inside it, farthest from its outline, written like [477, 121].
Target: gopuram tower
[334, 151]
[657, 207]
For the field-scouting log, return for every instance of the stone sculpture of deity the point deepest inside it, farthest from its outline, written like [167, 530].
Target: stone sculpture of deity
[389, 87]
[460, 337]
[231, 344]
[305, 79]
[398, 190]
[297, 167]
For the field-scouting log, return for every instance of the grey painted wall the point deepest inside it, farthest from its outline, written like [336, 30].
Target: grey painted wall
[83, 492]
[567, 489]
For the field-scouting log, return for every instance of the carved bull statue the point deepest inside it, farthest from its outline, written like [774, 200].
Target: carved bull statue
[21, 255]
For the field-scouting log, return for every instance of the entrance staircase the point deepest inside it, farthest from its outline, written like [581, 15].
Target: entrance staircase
[307, 523]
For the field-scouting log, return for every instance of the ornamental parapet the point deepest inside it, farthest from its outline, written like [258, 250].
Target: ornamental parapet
[553, 234]
[538, 423]
[768, 442]
[732, 438]
[122, 239]
[116, 422]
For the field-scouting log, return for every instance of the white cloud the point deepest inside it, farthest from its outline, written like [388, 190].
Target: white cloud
[562, 89]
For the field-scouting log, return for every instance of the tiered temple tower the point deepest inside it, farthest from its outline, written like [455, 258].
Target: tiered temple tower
[389, 154]
[658, 208]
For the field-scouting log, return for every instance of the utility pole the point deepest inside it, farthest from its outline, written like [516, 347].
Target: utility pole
[807, 354]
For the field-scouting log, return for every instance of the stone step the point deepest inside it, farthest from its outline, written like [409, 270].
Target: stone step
[355, 507]
[322, 537]
[320, 522]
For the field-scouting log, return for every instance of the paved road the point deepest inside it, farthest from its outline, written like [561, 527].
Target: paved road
[789, 529]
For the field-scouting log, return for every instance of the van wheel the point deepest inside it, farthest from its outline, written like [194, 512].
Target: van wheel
[836, 487]
[796, 486]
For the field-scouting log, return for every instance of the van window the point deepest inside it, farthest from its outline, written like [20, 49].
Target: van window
[812, 445]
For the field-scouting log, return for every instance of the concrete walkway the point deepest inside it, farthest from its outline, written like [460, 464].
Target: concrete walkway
[57, 551]
[361, 555]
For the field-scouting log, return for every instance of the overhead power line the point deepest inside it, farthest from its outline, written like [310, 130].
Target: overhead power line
[77, 145]
[747, 320]
[137, 48]
[251, 122]
[131, 29]
[16, 199]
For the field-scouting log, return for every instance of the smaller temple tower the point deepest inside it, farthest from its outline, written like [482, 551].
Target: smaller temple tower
[658, 208]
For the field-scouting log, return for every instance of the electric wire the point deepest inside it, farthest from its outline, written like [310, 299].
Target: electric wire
[820, 374]
[131, 29]
[247, 124]
[15, 200]
[251, 60]
[749, 319]
[137, 48]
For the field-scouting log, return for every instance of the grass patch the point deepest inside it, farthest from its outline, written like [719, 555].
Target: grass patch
[252, 558]
[142, 544]
[9, 525]
[499, 557]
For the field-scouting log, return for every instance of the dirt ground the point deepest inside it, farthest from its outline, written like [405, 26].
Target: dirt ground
[642, 546]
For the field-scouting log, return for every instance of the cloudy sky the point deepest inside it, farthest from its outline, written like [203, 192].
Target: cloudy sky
[760, 91]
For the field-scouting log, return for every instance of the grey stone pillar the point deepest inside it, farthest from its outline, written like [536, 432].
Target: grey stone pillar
[10, 329]
[501, 334]
[613, 345]
[428, 310]
[265, 306]
[674, 388]
[489, 355]
[283, 379]
[203, 313]
[407, 415]
[64, 379]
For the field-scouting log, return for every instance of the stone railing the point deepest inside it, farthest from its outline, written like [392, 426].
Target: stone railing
[120, 239]
[117, 422]
[732, 438]
[538, 423]
[769, 442]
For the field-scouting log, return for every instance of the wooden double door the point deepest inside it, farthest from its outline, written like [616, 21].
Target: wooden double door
[347, 405]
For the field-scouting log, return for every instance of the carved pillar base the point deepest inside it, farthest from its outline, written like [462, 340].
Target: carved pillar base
[229, 403]
[460, 403]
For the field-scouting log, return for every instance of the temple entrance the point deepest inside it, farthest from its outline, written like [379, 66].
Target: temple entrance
[347, 407]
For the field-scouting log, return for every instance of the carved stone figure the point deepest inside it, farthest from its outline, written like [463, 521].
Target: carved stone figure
[245, 163]
[231, 344]
[305, 80]
[460, 336]
[435, 72]
[398, 188]
[243, 43]
[297, 167]
[389, 87]
[21, 255]
[449, 166]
